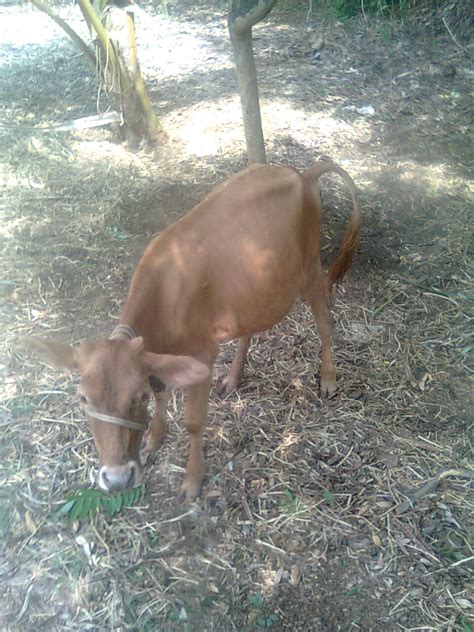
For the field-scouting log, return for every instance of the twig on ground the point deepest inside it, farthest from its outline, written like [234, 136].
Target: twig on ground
[432, 484]
[452, 36]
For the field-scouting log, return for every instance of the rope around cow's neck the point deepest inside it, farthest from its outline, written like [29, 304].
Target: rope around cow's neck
[122, 331]
[110, 419]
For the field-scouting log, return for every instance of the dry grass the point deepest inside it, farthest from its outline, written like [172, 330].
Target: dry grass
[311, 517]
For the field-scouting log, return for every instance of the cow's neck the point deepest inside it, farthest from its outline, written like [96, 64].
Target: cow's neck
[161, 307]
[140, 316]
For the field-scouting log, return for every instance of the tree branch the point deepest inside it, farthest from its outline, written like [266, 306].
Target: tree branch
[432, 484]
[246, 13]
[67, 29]
[93, 21]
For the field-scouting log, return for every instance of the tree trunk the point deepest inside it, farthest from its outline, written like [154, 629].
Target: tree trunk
[121, 72]
[243, 16]
[145, 121]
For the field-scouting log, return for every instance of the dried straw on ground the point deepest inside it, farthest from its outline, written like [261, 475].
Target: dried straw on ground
[314, 514]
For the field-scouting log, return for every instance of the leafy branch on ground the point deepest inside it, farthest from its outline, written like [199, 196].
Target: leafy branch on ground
[87, 501]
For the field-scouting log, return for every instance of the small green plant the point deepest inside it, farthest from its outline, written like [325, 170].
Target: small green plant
[353, 592]
[256, 600]
[329, 499]
[292, 504]
[264, 621]
[88, 501]
[465, 625]
[268, 621]
[22, 405]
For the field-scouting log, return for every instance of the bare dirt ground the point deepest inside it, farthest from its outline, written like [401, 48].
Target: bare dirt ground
[301, 525]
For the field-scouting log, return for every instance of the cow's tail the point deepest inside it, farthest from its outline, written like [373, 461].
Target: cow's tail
[343, 260]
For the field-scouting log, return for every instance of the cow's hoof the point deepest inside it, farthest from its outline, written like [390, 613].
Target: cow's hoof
[328, 383]
[190, 490]
[150, 445]
[228, 385]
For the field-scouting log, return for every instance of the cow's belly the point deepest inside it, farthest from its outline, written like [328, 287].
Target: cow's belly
[257, 302]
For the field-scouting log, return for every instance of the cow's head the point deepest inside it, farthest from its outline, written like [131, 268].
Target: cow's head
[114, 390]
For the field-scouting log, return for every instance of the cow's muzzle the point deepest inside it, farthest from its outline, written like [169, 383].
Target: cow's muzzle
[115, 477]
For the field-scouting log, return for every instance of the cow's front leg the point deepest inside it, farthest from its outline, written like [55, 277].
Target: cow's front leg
[195, 419]
[156, 432]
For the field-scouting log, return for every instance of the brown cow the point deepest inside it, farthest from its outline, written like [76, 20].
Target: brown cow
[231, 267]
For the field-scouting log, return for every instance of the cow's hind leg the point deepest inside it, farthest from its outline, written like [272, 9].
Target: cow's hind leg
[236, 371]
[317, 295]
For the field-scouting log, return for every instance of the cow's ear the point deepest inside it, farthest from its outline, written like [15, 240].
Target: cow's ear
[54, 354]
[176, 371]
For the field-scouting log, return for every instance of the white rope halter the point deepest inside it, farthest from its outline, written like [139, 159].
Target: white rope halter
[118, 421]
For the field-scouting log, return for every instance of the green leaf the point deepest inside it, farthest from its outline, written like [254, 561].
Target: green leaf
[329, 498]
[109, 506]
[128, 497]
[93, 503]
[86, 507]
[66, 507]
[118, 502]
[136, 494]
[77, 509]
